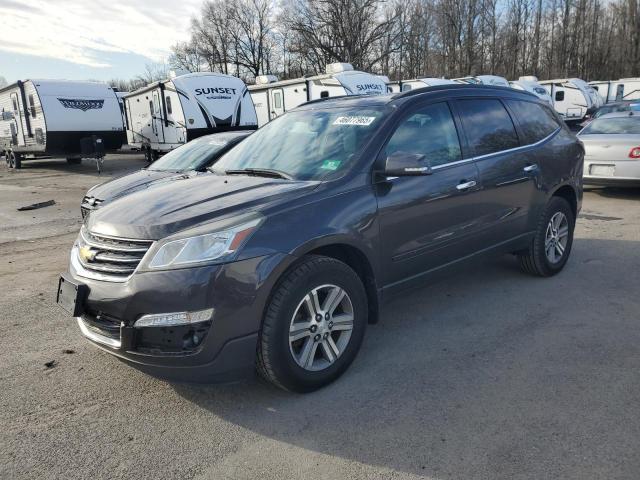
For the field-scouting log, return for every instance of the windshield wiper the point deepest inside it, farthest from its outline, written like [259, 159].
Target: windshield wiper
[260, 172]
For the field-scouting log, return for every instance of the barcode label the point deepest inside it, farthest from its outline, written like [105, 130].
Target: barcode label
[362, 121]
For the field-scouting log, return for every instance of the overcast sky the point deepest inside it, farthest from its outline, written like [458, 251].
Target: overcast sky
[88, 39]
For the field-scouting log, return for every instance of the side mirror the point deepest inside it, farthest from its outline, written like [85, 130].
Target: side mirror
[404, 164]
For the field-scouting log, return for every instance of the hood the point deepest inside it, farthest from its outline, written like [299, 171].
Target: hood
[173, 206]
[126, 184]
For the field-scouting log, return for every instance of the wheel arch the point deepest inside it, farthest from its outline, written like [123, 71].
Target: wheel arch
[569, 193]
[355, 257]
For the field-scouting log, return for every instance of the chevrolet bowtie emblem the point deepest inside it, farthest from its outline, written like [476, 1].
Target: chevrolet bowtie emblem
[86, 254]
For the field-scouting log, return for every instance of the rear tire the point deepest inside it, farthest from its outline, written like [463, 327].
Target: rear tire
[74, 161]
[551, 246]
[14, 160]
[334, 334]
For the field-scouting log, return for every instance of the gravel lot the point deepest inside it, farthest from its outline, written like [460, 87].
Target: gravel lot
[488, 374]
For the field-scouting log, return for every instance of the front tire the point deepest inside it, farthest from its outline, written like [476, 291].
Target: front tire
[314, 325]
[551, 246]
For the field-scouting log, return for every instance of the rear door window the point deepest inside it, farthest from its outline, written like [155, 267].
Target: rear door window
[536, 122]
[430, 131]
[488, 126]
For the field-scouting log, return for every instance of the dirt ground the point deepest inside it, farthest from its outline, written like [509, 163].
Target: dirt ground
[488, 374]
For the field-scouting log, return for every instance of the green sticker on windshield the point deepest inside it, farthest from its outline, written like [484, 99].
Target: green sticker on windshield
[330, 164]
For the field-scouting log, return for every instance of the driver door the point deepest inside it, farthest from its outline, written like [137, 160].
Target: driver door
[430, 220]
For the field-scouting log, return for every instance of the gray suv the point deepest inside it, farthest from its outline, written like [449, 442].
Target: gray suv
[280, 257]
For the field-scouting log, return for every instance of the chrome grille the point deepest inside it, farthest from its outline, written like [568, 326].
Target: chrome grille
[112, 256]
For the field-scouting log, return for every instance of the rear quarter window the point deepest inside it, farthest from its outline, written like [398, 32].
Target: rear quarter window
[488, 126]
[536, 122]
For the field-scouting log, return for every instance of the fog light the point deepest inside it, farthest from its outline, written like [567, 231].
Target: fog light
[174, 319]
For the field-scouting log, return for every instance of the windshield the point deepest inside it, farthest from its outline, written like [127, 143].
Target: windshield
[305, 145]
[617, 125]
[191, 156]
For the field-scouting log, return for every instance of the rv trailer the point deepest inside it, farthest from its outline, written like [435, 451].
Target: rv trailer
[570, 98]
[75, 120]
[530, 84]
[593, 93]
[387, 82]
[618, 90]
[494, 80]
[166, 114]
[414, 84]
[272, 97]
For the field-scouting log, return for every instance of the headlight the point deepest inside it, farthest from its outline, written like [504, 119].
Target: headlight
[198, 249]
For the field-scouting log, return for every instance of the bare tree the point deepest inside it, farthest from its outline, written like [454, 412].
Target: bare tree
[413, 38]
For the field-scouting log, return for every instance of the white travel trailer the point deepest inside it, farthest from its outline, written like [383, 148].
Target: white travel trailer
[593, 93]
[387, 82]
[70, 119]
[618, 90]
[570, 97]
[272, 97]
[484, 80]
[166, 114]
[530, 84]
[408, 85]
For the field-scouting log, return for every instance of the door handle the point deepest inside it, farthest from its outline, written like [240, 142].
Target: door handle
[531, 168]
[466, 185]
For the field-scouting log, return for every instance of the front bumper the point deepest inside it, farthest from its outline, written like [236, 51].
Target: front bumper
[615, 173]
[225, 346]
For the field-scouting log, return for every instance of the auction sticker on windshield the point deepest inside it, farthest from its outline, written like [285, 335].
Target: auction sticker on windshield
[330, 164]
[355, 120]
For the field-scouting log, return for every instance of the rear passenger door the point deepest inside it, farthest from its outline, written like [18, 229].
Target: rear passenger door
[508, 174]
[426, 221]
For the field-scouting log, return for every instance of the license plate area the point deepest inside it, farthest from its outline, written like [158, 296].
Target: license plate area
[602, 170]
[71, 296]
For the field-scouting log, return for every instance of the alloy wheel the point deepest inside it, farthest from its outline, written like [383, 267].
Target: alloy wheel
[556, 237]
[321, 327]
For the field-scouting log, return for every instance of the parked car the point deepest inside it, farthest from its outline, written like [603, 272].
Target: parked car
[612, 150]
[289, 248]
[626, 106]
[194, 157]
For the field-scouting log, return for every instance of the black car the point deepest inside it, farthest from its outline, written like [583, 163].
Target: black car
[192, 158]
[282, 257]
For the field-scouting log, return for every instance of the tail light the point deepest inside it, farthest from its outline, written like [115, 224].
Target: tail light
[635, 152]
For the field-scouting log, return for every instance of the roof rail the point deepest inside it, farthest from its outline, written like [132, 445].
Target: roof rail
[452, 86]
[319, 100]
